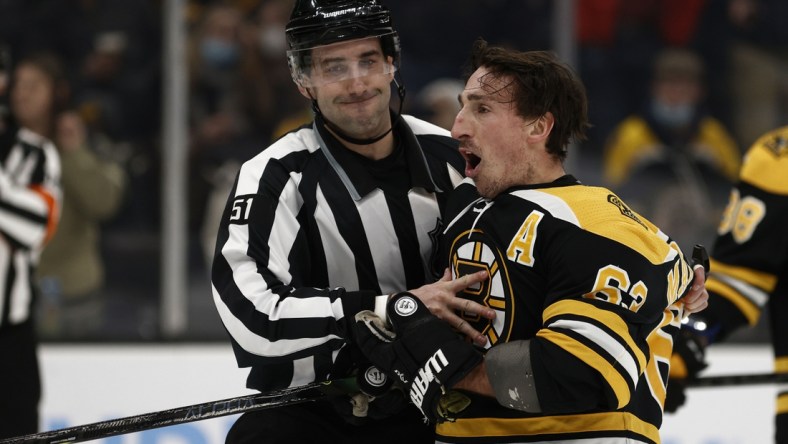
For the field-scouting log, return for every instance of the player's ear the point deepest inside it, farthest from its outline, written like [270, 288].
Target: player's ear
[305, 92]
[541, 128]
[390, 61]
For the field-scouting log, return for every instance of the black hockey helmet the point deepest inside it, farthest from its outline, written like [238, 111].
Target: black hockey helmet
[323, 22]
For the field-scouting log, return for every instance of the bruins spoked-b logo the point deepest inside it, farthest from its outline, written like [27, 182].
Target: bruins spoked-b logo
[471, 255]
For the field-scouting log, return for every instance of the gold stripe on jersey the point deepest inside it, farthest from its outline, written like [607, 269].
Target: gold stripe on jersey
[593, 208]
[608, 318]
[608, 371]
[766, 163]
[748, 309]
[760, 279]
[782, 404]
[579, 425]
[660, 350]
[781, 364]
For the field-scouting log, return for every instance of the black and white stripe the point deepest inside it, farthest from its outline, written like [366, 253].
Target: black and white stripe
[308, 239]
[30, 197]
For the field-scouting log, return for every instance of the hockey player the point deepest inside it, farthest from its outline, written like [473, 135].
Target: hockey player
[585, 290]
[30, 199]
[328, 221]
[749, 268]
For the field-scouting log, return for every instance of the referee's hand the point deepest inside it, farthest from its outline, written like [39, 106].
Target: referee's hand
[441, 299]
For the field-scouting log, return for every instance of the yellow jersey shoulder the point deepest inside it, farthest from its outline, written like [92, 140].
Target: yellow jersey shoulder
[766, 162]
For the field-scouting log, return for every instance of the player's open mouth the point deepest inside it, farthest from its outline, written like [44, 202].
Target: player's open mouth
[472, 161]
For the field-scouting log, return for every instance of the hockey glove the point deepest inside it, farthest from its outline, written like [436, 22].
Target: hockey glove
[687, 361]
[375, 397]
[423, 353]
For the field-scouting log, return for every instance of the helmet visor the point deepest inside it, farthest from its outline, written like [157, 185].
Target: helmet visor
[340, 61]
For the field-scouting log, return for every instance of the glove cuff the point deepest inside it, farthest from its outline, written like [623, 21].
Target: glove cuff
[447, 366]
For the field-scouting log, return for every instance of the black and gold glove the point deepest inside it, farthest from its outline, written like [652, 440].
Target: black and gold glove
[420, 351]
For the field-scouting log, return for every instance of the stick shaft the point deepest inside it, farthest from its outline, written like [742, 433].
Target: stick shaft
[734, 380]
[179, 415]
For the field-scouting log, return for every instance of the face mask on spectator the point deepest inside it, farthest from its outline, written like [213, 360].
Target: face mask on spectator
[672, 115]
[219, 53]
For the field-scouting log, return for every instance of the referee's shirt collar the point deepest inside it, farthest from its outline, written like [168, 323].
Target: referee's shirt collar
[357, 178]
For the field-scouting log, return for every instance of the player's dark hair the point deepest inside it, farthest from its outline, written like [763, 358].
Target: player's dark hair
[539, 83]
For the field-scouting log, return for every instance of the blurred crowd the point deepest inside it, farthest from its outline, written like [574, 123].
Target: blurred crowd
[677, 89]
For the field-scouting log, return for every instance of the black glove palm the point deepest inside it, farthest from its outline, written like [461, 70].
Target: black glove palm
[422, 352]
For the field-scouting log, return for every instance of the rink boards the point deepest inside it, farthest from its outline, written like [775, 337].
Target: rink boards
[85, 384]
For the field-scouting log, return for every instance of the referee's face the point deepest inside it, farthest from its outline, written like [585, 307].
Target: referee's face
[358, 104]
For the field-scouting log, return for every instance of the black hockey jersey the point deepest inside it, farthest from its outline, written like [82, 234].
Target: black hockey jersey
[593, 285]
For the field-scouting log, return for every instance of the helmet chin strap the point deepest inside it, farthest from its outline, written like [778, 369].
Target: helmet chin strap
[370, 141]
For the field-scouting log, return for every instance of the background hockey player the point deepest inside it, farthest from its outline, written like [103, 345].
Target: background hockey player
[749, 270]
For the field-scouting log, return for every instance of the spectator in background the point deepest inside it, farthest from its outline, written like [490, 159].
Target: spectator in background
[29, 208]
[116, 82]
[673, 161]
[617, 40]
[268, 102]
[758, 66]
[220, 123]
[437, 102]
[40, 92]
[275, 106]
[71, 268]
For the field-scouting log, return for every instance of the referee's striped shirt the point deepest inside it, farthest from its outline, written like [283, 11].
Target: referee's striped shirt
[30, 198]
[312, 232]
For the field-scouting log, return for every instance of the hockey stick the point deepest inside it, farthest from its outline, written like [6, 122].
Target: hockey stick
[734, 380]
[191, 413]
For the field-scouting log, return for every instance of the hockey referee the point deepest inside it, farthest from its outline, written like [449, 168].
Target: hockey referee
[30, 197]
[327, 221]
